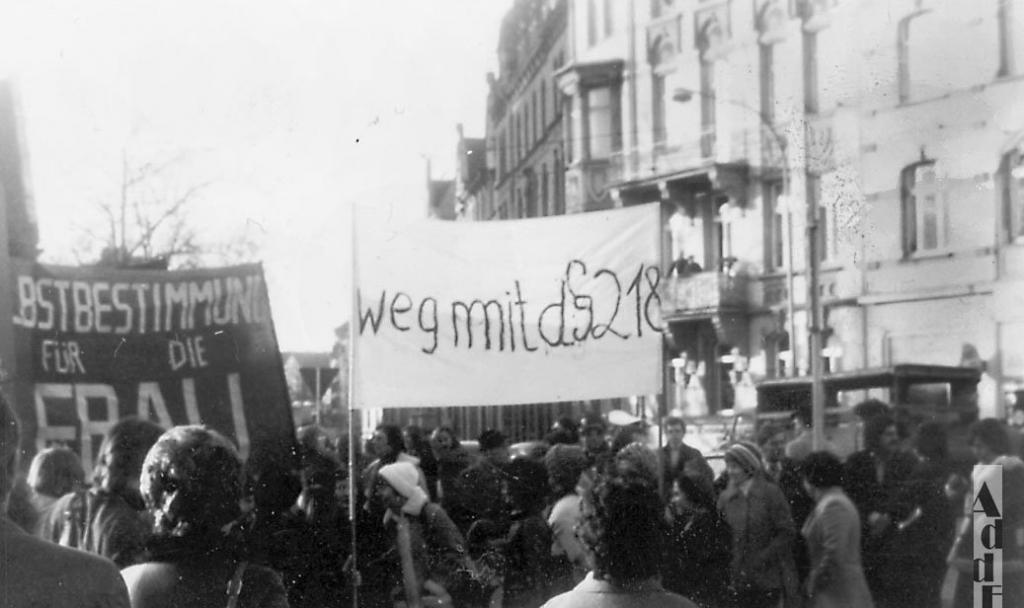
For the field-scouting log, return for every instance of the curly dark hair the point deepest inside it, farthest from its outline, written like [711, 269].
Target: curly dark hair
[624, 527]
[192, 481]
[874, 428]
[822, 470]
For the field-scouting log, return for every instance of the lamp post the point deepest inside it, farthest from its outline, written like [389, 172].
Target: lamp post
[814, 355]
[684, 95]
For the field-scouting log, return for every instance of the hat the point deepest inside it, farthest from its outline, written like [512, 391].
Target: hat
[622, 418]
[745, 454]
[404, 477]
[490, 439]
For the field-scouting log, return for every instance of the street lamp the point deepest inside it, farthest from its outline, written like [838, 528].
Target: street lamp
[684, 95]
[814, 355]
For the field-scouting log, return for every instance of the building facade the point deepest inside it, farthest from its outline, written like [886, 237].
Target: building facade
[894, 122]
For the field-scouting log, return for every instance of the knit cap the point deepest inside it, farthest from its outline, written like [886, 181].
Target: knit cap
[404, 478]
[747, 455]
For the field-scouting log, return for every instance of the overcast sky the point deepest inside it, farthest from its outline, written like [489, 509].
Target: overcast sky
[293, 111]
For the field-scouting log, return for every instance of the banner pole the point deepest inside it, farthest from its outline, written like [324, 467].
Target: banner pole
[352, 480]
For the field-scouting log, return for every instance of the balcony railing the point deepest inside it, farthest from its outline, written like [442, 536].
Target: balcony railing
[702, 293]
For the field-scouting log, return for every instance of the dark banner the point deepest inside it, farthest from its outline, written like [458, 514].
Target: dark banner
[187, 347]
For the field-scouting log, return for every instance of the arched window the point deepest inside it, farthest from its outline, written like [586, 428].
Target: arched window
[925, 221]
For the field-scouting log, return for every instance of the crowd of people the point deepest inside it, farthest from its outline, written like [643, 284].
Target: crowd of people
[594, 516]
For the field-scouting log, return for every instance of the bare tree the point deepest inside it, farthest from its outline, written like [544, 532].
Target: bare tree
[149, 225]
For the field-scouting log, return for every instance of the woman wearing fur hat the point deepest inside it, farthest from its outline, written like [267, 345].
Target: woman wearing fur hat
[762, 529]
[430, 548]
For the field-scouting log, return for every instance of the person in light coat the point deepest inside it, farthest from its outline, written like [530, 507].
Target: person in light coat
[836, 578]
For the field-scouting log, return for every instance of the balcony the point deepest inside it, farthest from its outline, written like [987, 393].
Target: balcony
[702, 294]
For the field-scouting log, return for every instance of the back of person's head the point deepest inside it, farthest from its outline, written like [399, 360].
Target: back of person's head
[869, 408]
[874, 428]
[56, 471]
[822, 470]
[638, 459]
[990, 432]
[696, 492]
[491, 439]
[122, 452]
[528, 485]
[624, 528]
[10, 435]
[192, 482]
[932, 441]
[565, 464]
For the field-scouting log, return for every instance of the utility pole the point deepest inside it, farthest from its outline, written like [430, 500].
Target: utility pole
[814, 320]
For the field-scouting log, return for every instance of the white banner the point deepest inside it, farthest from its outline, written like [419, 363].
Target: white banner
[526, 311]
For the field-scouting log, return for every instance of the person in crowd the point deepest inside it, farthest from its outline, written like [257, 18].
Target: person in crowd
[836, 578]
[677, 457]
[565, 464]
[192, 482]
[53, 473]
[564, 430]
[801, 445]
[627, 429]
[34, 572]
[623, 528]
[990, 444]
[430, 549]
[108, 519]
[785, 473]
[483, 487]
[528, 546]
[418, 446]
[594, 440]
[452, 459]
[875, 477]
[762, 529]
[923, 538]
[699, 543]
[388, 447]
[638, 459]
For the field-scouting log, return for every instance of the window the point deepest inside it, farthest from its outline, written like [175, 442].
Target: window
[591, 22]
[707, 108]
[923, 204]
[775, 247]
[1011, 49]
[601, 127]
[545, 208]
[501, 155]
[658, 109]
[543, 105]
[1013, 193]
[767, 68]
[536, 117]
[810, 72]
[558, 175]
[609, 21]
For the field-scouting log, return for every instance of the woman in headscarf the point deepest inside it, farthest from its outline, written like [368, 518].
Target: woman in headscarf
[192, 482]
[430, 548]
[762, 529]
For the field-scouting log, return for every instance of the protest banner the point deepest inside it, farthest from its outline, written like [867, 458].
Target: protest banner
[490, 313]
[94, 345]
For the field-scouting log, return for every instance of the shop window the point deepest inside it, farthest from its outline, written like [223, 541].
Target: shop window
[923, 205]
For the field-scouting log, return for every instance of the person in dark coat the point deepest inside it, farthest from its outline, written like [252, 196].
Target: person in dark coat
[528, 578]
[192, 483]
[698, 548]
[34, 572]
[875, 478]
[482, 489]
[924, 537]
[418, 446]
[785, 473]
[108, 519]
[677, 458]
[452, 459]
